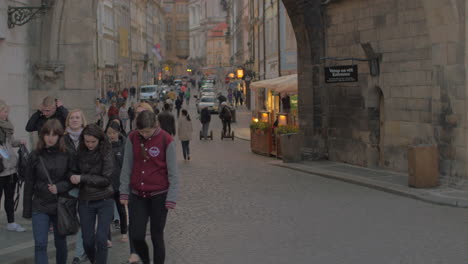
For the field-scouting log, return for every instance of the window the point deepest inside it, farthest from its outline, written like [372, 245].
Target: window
[182, 26]
[183, 44]
[169, 25]
[168, 44]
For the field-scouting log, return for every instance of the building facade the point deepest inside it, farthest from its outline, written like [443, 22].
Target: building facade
[15, 48]
[208, 19]
[76, 50]
[177, 37]
[413, 92]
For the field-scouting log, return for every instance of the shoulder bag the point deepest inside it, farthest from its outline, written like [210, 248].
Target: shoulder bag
[67, 219]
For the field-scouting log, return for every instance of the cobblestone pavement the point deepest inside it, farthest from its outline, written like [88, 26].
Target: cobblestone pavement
[235, 207]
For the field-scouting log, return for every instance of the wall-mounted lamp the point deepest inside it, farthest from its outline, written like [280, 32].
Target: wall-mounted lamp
[282, 119]
[264, 116]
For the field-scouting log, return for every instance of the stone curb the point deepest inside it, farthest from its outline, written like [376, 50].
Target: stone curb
[424, 196]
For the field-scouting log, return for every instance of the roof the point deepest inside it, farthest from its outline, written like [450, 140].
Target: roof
[218, 31]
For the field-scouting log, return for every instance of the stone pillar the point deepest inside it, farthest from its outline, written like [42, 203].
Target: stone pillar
[306, 18]
[64, 58]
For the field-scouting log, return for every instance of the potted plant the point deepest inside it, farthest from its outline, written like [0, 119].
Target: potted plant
[289, 143]
[279, 131]
[260, 138]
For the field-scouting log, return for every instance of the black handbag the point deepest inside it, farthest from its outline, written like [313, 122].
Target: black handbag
[67, 218]
[2, 167]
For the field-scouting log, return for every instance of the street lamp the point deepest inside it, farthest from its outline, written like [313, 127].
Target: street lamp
[240, 73]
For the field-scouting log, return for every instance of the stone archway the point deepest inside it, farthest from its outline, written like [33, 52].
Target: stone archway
[423, 76]
[306, 18]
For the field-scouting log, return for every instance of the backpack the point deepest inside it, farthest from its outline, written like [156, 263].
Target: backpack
[227, 113]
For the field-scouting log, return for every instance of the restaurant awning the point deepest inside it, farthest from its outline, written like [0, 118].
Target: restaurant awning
[285, 84]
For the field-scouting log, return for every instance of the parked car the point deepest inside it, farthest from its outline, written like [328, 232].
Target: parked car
[208, 101]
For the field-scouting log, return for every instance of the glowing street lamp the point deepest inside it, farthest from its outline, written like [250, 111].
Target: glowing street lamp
[240, 73]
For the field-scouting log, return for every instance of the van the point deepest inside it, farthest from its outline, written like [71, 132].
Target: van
[149, 93]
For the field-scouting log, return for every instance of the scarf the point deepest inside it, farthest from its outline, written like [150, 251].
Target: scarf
[74, 135]
[6, 130]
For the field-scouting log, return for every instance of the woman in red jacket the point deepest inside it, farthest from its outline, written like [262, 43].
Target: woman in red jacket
[150, 170]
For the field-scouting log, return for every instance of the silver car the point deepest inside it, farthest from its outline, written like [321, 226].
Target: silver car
[208, 101]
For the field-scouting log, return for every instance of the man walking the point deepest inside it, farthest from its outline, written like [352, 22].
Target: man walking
[50, 108]
[205, 119]
[166, 120]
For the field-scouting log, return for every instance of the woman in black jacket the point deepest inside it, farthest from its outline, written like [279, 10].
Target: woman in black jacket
[40, 196]
[96, 198]
[117, 140]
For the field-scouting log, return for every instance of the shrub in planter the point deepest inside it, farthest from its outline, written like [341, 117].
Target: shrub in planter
[260, 126]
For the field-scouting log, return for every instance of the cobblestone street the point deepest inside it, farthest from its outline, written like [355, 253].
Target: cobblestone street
[236, 208]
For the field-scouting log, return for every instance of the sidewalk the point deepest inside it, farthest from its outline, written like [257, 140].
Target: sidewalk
[241, 127]
[387, 181]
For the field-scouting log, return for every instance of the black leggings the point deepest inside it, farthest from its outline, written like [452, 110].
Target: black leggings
[227, 124]
[122, 214]
[141, 210]
[8, 185]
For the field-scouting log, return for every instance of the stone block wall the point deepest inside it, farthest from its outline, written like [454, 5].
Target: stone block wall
[422, 80]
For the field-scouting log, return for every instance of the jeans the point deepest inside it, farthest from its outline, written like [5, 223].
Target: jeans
[40, 224]
[95, 240]
[7, 185]
[185, 148]
[140, 210]
[205, 128]
[79, 249]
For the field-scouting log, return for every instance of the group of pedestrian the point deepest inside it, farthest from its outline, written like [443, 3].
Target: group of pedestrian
[99, 168]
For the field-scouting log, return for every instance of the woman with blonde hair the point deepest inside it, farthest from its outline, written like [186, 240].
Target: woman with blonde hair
[75, 123]
[8, 162]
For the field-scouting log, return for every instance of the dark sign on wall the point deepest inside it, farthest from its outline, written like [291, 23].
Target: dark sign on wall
[343, 73]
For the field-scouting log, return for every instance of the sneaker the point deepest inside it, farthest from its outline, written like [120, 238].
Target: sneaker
[15, 227]
[117, 224]
[188, 157]
[76, 260]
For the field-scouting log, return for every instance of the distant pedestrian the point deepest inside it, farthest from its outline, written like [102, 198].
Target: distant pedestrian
[100, 113]
[237, 96]
[49, 162]
[50, 109]
[149, 188]
[123, 115]
[221, 99]
[8, 162]
[178, 105]
[113, 110]
[167, 121]
[95, 163]
[205, 119]
[230, 95]
[132, 92]
[131, 115]
[225, 114]
[187, 97]
[185, 131]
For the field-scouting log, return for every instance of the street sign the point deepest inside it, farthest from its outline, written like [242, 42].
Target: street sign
[343, 73]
